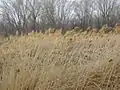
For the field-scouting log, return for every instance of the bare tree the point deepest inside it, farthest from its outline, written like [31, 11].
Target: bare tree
[34, 8]
[84, 12]
[16, 14]
[48, 13]
[64, 12]
[106, 9]
[27, 15]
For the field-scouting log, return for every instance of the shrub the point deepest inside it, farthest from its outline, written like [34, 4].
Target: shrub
[104, 29]
[95, 30]
[117, 28]
[76, 29]
[89, 28]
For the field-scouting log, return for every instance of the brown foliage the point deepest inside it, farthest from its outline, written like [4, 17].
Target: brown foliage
[117, 28]
[3, 34]
[96, 30]
[77, 29]
[89, 28]
[104, 29]
[44, 63]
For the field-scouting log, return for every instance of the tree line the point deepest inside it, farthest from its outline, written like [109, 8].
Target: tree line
[39, 15]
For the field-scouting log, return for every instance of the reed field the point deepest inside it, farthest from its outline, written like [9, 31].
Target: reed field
[52, 61]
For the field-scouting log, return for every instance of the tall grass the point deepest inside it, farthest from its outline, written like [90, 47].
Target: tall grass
[75, 61]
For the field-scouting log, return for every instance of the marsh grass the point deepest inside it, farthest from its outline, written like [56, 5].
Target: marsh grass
[75, 61]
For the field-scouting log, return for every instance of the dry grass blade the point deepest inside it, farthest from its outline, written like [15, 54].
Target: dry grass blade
[75, 61]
